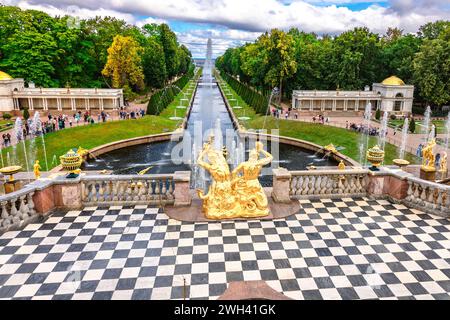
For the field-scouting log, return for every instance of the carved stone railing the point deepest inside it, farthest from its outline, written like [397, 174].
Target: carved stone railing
[156, 189]
[428, 196]
[17, 208]
[319, 183]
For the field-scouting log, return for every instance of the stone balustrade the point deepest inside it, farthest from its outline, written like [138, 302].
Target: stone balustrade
[428, 196]
[17, 208]
[155, 189]
[319, 183]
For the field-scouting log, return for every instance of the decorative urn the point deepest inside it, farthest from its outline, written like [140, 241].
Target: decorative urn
[376, 157]
[71, 162]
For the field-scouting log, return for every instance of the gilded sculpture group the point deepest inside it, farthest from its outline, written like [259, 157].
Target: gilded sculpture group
[429, 159]
[237, 193]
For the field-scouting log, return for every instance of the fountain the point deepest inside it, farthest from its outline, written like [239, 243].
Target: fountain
[426, 124]
[364, 136]
[401, 162]
[18, 130]
[175, 117]
[208, 106]
[383, 130]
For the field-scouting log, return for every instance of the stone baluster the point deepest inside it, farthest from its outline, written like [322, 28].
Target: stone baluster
[101, 191]
[128, 191]
[14, 212]
[157, 189]
[170, 189]
[6, 218]
[23, 208]
[115, 191]
[30, 203]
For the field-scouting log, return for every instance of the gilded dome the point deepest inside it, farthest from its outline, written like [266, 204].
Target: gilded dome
[393, 81]
[4, 76]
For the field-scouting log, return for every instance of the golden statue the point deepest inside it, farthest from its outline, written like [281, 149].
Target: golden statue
[443, 166]
[249, 191]
[429, 160]
[37, 170]
[232, 195]
[341, 165]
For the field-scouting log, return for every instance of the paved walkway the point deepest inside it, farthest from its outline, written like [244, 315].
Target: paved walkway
[332, 249]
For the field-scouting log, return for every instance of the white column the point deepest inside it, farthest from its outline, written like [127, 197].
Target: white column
[32, 104]
[322, 105]
[45, 104]
[334, 104]
[311, 105]
[345, 104]
[58, 103]
[72, 103]
[86, 104]
[114, 103]
[357, 105]
[102, 106]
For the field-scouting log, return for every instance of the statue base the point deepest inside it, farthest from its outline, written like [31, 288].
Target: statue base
[428, 173]
[12, 186]
[194, 212]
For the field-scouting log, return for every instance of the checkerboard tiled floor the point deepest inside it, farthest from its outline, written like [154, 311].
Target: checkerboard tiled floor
[341, 249]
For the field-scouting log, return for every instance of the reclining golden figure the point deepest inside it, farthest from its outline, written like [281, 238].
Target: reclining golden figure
[232, 195]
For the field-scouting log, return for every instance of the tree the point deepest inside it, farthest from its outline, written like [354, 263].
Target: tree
[168, 40]
[412, 125]
[432, 69]
[26, 114]
[355, 59]
[398, 56]
[433, 30]
[378, 114]
[154, 65]
[124, 63]
[31, 55]
[280, 57]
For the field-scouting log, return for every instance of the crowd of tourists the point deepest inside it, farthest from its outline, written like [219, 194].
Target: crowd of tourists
[59, 122]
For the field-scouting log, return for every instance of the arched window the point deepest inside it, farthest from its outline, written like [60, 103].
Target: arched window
[398, 104]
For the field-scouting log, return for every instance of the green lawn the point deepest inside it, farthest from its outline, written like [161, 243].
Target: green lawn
[90, 136]
[440, 125]
[6, 124]
[318, 134]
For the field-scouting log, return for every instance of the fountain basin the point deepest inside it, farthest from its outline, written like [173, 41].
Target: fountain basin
[401, 163]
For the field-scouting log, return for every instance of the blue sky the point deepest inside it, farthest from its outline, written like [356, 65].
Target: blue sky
[233, 22]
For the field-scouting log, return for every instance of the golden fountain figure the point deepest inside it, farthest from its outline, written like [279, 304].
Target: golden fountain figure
[429, 159]
[232, 195]
[37, 170]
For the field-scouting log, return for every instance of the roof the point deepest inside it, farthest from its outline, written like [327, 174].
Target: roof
[393, 81]
[5, 76]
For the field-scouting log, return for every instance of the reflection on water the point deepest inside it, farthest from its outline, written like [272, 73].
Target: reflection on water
[133, 159]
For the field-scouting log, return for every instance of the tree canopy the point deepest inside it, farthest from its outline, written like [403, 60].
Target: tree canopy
[350, 60]
[64, 51]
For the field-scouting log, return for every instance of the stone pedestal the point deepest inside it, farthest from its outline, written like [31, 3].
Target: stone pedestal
[428, 174]
[281, 185]
[12, 186]
[182, 194]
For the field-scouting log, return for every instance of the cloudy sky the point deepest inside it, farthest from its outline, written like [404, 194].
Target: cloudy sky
[233, 22]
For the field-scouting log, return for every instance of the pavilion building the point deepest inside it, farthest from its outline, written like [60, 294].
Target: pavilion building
[14, 96]
[391, 95]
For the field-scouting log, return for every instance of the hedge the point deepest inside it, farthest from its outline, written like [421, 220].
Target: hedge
[252, 98]
[162, 98]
